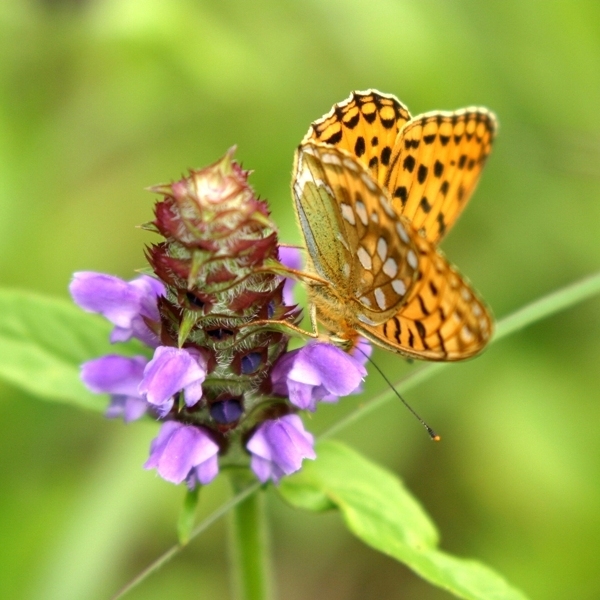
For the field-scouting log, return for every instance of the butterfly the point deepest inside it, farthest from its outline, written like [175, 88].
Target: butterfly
[375, 190]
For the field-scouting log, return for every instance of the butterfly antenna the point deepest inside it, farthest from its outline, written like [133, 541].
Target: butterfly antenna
[432, 434]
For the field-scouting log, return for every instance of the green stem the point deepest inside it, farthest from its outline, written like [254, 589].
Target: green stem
[250, 552]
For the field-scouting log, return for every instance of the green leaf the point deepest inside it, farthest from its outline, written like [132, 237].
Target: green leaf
[44, 340]
[379, 510]
[185, 524]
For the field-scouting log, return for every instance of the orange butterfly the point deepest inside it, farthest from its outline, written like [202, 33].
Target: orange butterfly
[375, 191]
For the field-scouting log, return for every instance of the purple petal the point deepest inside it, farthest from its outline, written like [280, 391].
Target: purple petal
[362, 351]
[110, 296]
[114, 374]
[205, 472]
[324, 364]
[128, 407]
[280, 371]
[292, 258]
[302, 395]
[180, 449]
[170, 371]
[279, 446]
[125, 304]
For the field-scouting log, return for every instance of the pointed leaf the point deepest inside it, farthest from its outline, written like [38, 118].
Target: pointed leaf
[381, 512]
[185, 523]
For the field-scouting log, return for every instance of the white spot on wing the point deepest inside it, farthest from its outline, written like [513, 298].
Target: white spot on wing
[351, 165]
[361, 211]
[411, 259]
[366, 320]
[346, 270]
[386, 206]
[382, 249]
[366, 301]
[331, 159]
[402, 233]
[368, 181]
[390, 267]
[399, 287]
[466, 334]
[374, 217]
[364, 258]
[348, 213]
[380, 298]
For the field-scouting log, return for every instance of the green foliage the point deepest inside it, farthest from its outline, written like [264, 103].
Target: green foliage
[43, 342]
[379, 510]
[187, 516]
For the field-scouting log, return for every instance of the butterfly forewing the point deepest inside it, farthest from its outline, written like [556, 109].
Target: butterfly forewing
[436, 164]
[442, 319]
[366, 124]
[354, 237]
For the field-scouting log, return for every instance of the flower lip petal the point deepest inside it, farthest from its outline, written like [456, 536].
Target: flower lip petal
[180, 449]
[327, 365]
[110, 296]
[172, 370]
[114, 374]
[279, 446]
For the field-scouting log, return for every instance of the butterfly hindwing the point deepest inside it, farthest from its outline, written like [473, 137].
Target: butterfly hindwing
[365, 251]
[443, 317]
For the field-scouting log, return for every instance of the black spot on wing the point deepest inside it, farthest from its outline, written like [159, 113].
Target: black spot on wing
[444, 187]
[386, 153]
[424, 204]
[370, 117]
[334, 138]
[359, 146]
[438, 168]
[402, 193]
[441, 223]
[422, 173]
[373, 162]
[409, 163]
[444, 139]
[429, 139]
[352, 122]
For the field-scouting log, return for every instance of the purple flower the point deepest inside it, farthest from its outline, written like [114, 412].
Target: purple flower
[184, 452]
[118, 376]
[170, 371]
[279, 446]
[316, 372]
[290, 257]
[125, 304]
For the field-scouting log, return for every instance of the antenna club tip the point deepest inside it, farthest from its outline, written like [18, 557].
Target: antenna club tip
[436, 438]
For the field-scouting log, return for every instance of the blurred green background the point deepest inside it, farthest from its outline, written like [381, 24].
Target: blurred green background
[101, 98]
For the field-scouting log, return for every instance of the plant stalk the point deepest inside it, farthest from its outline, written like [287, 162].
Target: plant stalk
[249, 543]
